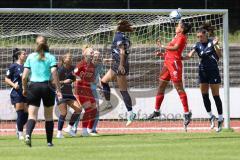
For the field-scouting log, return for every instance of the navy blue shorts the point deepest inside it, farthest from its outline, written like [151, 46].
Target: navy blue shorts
[209, 76]
[115, 66]
[66, 98]
[17, 97]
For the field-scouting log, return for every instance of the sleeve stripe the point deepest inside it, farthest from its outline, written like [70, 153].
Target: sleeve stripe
[27, 67]
[53, 66]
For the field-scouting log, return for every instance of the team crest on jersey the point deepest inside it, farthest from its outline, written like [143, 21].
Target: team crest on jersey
[209, 44]
[119, 43]
[175, 73]
[75, 70]
[8, 73]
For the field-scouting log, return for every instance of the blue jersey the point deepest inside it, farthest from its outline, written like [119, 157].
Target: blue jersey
[207, 54]
[120, 39]
[66, 73]
[14, 73]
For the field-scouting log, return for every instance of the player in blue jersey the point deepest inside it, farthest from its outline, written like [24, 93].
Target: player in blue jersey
[120, 67]
[66, 77]
[209, 52]
[14, 79]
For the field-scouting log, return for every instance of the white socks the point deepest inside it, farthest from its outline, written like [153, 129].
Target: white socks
[210, 114]
[220, 117]
[20, 134]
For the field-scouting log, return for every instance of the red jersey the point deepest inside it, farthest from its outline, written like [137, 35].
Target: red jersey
[181, 40]
[85, 71]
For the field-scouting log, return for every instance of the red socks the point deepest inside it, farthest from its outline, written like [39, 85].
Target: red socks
[92, 119]
[89, 118]
[158, 101]
[183, 97]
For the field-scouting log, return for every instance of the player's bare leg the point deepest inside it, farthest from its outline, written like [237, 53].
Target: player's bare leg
[71, 129]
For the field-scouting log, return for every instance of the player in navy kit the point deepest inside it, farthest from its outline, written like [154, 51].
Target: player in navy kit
[66, 77]
[14, 79]
[209, 52]
[120, 67]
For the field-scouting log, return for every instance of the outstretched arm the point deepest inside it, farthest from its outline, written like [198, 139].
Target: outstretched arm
[189, 55]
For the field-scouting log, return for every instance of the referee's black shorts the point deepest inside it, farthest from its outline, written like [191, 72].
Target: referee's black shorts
[38, 91]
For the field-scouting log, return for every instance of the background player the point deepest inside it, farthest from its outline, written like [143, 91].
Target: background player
[14, 79]
[85, 71]
[98, 72]
[209, 53]
[66, 77]
[120, 68]
[172, 70]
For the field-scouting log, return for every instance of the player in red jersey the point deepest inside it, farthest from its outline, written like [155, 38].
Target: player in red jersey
[84, 72]
[172, 70]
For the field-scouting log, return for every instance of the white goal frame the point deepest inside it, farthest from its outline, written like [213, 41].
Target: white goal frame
[224, 12]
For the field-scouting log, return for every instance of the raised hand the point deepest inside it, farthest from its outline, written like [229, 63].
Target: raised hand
[215, 41]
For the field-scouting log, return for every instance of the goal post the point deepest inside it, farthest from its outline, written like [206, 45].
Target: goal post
[68, 30]
[226, 103]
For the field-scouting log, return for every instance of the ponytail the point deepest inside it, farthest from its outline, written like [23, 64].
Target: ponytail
[41, 49]
[15, 55]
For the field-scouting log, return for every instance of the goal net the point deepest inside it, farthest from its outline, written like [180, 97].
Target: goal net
[68, 30]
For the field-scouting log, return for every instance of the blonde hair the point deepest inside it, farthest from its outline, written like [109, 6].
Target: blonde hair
[85, 48]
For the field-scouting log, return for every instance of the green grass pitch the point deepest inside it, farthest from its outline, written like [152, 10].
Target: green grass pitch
[160, 146]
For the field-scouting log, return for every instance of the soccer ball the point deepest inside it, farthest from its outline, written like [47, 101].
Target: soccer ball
[175, 15]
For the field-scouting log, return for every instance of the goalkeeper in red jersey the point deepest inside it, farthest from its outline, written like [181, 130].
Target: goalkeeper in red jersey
[172, 70]
[85, 73]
